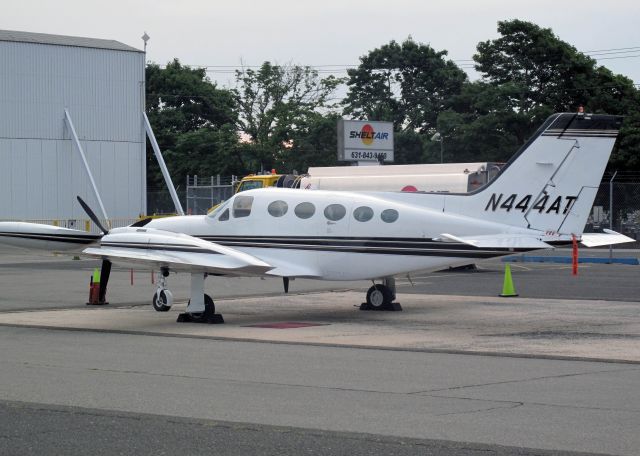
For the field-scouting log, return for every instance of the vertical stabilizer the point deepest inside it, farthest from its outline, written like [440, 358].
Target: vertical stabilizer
[551, 182]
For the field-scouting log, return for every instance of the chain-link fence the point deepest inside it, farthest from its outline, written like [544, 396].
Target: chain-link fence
[205, 192]
[159, 201]
[617, 207]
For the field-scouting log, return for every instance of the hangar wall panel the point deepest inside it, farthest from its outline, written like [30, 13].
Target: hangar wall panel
[40, 169]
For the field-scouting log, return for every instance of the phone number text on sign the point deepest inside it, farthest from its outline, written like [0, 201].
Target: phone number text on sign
[362, 155]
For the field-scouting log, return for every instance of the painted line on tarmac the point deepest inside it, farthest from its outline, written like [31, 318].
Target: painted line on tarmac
[333, 345]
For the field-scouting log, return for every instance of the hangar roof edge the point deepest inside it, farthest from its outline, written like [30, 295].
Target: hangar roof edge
[63, 40]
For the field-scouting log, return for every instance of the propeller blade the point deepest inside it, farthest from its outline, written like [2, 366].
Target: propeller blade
[105, 272]
[92, 215]
[285, 283]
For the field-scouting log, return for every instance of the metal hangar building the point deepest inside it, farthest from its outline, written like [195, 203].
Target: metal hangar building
[50, 87]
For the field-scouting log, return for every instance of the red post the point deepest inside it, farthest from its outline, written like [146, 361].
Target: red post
[575, 254]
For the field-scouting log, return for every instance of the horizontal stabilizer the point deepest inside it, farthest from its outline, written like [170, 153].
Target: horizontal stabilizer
[516, 241]
[609, 237]
[180, 252]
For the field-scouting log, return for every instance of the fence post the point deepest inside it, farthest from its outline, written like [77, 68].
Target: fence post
[187, 198]
[611, 213]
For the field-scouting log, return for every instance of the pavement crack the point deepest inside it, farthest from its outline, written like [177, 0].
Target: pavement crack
[522, 380]
[481, 410]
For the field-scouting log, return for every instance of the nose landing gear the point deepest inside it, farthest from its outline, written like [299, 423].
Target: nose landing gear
[162, 298]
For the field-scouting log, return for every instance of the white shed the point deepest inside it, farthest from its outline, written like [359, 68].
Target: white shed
[101, 85]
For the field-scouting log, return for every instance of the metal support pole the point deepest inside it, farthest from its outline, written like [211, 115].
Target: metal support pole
[67, 117]
[611, 213]
[441, 148]
[163, 166]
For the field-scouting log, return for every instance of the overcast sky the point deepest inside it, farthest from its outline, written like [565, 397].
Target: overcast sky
[325, 32]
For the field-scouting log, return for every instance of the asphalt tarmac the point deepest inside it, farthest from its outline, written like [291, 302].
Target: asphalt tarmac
[87, 391]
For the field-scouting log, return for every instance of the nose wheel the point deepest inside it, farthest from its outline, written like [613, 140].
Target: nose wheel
[162, 300]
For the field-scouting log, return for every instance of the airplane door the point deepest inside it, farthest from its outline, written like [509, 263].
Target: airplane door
[334, 230]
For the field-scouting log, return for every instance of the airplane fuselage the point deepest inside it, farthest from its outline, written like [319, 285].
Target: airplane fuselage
[347, 236]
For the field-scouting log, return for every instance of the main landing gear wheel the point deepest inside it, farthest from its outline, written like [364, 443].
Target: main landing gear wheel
[162, 300]
[379, 296]
[208, 316]
[209, 309]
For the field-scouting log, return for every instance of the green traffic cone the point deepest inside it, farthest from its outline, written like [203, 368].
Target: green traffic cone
[508, 290]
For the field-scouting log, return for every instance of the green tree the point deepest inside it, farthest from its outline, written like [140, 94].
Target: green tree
[314, 143]
[527, 74]
[274, 104]
[193, 122]
[405, 83]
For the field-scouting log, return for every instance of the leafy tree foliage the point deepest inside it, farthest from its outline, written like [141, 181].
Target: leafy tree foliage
[407, 83]
[192, 119]
[314, 143]
[275, 103]
[527, 74]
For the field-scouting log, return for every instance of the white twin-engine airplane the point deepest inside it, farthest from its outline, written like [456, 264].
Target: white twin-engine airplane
[540, 199]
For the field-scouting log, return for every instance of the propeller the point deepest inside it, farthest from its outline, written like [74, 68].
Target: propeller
[105, 270]
[285, 283]
[92, 215]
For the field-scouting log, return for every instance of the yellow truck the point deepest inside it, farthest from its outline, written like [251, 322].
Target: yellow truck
[271, 179]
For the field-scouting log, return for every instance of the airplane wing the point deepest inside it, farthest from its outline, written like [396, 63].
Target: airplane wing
[44, 237]
[180, 252]
[521, 241]
[607, 238]
[294, 270]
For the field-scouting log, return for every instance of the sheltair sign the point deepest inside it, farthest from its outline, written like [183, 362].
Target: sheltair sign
[365, 141]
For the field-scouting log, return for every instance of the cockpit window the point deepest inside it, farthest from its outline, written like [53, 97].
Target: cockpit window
[242, 206]
[225, 216]
[217, 209]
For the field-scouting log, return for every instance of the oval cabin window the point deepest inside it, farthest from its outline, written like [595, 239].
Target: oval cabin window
[278, 208]
[363, 214]
[334, 212]
[305, 210]
[389, 215]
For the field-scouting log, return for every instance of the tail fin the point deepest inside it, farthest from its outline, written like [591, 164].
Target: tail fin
[551, 182]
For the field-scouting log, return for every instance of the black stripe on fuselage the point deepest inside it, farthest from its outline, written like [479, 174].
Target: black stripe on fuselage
[63, 238]
[380, 246]
[164, 247]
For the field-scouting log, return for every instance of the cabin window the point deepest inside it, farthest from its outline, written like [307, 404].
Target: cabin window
[334, 212]
[363, 214]
[216, 210]
[389, 215]
[242, 206]
[224, 216]
[278, 208]
[305, 210]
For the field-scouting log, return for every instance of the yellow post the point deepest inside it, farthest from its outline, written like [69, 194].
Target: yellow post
[508, 290]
